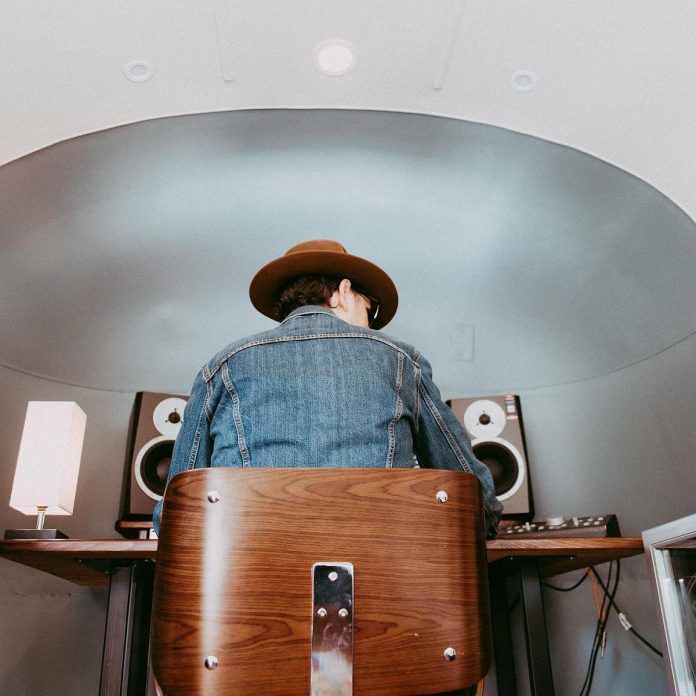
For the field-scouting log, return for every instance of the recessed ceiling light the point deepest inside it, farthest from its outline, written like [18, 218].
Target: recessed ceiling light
[335, 57]
[139, 71]
[523, 81]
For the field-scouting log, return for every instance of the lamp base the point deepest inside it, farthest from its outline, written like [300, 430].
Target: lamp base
[34, 534]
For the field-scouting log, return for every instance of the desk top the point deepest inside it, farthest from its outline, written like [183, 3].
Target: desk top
[88, 561]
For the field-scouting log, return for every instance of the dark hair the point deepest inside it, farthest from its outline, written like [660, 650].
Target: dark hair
[306, 290]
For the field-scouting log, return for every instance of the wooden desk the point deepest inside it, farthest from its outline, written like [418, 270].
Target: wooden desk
[88, 561]
[126, 566]
[556, 556]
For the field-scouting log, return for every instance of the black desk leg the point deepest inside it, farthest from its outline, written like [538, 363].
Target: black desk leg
[126, 637]
[505, 676]
[538, 658]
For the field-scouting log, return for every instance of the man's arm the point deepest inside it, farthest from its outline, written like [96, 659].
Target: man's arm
[193, 446]
[443, 443]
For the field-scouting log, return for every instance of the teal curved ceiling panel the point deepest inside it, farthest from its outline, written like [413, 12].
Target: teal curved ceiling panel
[127, 253]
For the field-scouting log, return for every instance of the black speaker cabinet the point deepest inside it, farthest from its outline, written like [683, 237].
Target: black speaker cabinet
[156, 422]
[494, 424]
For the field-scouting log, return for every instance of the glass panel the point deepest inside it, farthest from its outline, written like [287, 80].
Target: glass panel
[684, 568]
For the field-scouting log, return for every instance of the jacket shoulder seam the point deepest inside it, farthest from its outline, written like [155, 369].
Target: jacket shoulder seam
[209, 372]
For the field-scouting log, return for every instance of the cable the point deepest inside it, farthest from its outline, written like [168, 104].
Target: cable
[624, 621]
[644, 640]
[568, 589]
[606, 608]
[607, 603]
[593, 575]
[597, 641]
[603, 610]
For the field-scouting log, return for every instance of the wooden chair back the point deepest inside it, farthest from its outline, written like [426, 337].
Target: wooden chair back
[234, 584]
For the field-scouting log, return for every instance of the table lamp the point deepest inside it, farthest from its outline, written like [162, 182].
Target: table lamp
[47, 466]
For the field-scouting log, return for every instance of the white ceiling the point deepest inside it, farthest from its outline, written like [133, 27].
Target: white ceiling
[123, 249]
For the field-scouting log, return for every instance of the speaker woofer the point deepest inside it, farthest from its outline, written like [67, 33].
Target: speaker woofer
[152, 466]
[502, 463]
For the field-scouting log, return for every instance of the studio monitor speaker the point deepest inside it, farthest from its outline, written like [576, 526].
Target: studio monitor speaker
[494, 424]
[156, 422]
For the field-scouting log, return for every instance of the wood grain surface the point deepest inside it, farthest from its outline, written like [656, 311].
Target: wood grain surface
[81, 561]
[234, 579]
[70, 558]
[560, 555]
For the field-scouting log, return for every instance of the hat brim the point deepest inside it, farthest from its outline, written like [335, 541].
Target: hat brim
[266, 285]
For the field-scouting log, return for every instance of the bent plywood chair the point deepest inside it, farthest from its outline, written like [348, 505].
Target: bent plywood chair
[320, 581]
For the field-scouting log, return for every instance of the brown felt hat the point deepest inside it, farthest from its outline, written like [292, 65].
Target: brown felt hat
[323, 257]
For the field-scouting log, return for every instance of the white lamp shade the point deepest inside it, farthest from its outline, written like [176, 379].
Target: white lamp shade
[49, 458]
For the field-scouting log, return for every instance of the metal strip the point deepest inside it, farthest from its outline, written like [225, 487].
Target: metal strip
[332, 629]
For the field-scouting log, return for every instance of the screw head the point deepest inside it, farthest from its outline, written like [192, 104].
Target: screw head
[343, 613]
[450, 654]
[333, 576]
[441, 496]
[321, 612]
[213, 496]
[211, 662]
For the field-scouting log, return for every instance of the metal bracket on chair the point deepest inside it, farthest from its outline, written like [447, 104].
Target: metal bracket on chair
[332, 629]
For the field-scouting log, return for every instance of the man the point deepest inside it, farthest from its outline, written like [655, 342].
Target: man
[325, 388]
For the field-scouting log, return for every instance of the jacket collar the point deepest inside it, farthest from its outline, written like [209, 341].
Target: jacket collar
[309, 309]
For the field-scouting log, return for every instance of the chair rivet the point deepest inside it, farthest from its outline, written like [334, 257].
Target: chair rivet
[333, 576]
[321, 612]
[441, 496]
[450, 654]
[213, 496]
[211, 662]
[343, 613]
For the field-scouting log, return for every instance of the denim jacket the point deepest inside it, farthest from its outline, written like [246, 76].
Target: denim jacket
[318, 392]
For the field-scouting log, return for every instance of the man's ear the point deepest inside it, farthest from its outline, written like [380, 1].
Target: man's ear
[342, 293]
